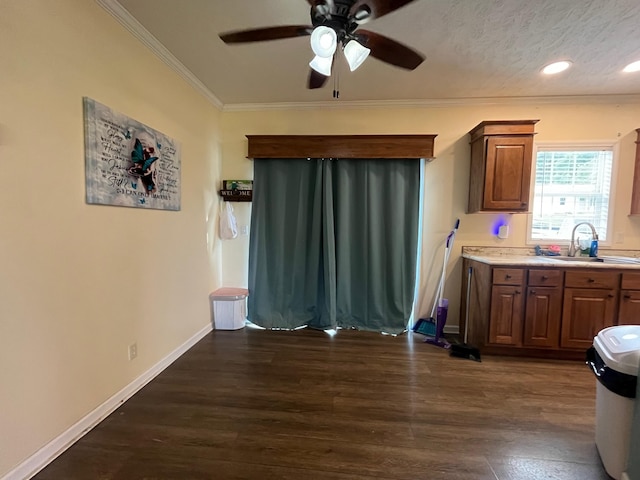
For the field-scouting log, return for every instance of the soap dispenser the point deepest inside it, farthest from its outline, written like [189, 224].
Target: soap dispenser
[593, 251]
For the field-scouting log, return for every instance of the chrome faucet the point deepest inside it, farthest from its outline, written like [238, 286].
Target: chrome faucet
[572, 245]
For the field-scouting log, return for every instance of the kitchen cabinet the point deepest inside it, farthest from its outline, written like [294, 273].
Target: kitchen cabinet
[505, 326]
[543, 309]
[589, 306]
[501, 158]
[530, 315]
[629, 306]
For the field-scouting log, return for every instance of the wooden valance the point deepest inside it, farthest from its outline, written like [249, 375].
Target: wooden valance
[341, 146]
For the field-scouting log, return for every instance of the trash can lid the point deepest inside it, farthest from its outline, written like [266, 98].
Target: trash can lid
[229, 293]
[619, 347]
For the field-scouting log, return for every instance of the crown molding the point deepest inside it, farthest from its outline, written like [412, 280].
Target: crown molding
[436, 103]
[118, 12]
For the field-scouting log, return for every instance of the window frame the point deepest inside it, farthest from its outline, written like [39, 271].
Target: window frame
[573, 146]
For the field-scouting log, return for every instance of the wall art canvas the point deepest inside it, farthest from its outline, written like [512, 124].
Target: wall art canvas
[128, 163]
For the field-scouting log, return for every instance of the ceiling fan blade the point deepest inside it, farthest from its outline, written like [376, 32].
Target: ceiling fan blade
[268, 33]
[363, 11]
[389, 51]
[316, 80]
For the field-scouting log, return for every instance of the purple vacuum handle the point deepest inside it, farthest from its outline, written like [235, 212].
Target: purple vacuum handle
[449, 237]
[453, 232]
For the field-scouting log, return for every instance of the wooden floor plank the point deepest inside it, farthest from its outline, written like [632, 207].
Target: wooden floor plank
[254, 404]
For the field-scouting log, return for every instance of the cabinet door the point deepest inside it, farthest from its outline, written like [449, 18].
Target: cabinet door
[629, 312]
[584, 313]
[508, 173]
[505, 324]
[542, 317]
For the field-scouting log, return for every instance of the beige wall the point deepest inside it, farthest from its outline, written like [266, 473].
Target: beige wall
[447, 178]
[78, 282]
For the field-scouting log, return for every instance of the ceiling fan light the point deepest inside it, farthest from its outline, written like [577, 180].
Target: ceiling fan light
[324, 41]
[362, 14]
[632, 67]
[322, 65]
[355, 54]
[556, 67]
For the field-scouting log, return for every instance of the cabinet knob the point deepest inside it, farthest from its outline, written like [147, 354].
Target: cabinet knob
[507, 277]
[610, 295]
[532, 292]
[544, 277]
[591, 280]
[518, 292]
[626, 297]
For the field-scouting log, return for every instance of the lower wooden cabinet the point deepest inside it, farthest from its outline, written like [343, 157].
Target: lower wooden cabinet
[589, 306]
[505, 326]
[585, 312]
[543, 308]
[629, 306]
[629, 313]
[545, 312]
[542, 317]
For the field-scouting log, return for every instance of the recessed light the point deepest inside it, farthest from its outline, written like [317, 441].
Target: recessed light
[556, 67]
[632, 67]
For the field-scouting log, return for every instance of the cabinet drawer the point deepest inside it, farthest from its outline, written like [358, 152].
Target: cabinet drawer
[545, 278]
[631, 281]
[508, 276]
[591, 279]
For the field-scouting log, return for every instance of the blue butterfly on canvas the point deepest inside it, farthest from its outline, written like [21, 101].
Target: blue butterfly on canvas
[143, 158]
[143, 155]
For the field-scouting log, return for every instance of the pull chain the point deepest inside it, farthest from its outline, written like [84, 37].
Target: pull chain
[336, 82]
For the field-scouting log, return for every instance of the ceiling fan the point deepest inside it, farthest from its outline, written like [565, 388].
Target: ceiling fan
[335, 23]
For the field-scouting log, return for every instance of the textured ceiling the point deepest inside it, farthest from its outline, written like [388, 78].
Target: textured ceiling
[474, 48]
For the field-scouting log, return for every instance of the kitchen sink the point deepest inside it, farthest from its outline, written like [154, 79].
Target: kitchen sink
[576, 259]
[622, 260]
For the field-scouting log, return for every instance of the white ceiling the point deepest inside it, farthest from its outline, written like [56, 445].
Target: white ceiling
[475, 49]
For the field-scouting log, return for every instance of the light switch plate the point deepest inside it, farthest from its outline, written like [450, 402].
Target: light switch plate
[503, 231]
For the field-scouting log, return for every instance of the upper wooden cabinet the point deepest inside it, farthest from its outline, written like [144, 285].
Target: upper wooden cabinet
[501, 156]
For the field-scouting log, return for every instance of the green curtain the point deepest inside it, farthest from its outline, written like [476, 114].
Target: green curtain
[334, 243]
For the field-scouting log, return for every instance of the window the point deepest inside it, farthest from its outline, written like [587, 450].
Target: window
[572, 185]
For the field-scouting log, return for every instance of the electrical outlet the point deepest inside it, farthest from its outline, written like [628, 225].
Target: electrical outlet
[133, 351]
[244, 229]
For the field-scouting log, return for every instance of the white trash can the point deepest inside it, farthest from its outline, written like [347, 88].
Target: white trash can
[615, 359]
[229, 308]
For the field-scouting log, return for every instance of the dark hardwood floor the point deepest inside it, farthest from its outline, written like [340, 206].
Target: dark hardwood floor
[253, 404]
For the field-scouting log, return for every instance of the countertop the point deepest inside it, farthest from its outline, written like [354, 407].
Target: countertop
[499, 257]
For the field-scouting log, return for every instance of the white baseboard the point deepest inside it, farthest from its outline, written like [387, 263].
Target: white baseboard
[58, 445]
